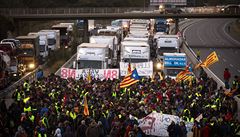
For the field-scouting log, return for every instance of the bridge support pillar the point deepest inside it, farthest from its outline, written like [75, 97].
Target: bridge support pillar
[176, 25]
[85, 33]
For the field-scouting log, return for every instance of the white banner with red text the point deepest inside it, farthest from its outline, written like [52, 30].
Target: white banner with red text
[95, 73]
[143, 68]
[156, 124]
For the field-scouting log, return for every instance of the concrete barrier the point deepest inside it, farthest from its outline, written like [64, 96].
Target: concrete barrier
[192, 56]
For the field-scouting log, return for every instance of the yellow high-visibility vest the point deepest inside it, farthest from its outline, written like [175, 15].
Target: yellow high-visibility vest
[32, 118]
[73, 115]
[27, 109]
[43, 121]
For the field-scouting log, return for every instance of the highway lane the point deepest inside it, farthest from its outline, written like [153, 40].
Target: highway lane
[209, 35]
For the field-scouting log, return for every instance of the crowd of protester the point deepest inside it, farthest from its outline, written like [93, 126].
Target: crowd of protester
[52, 106]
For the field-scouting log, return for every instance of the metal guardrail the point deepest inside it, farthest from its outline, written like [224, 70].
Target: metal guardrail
[66, 64]
[31, 76]
[7, 93]
[26, 11]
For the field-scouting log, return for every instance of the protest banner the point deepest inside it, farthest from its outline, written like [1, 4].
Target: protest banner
[143, 68]
[156, 124]
[95, 73]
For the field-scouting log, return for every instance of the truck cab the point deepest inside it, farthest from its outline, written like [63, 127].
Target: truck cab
[113, 46]
[173, 63]
[135, 51]
[167, 44]
[91, 55]
[43, 45]
[29, 54]
[53, 39]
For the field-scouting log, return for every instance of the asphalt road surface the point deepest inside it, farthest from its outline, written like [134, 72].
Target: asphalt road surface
[209, 35]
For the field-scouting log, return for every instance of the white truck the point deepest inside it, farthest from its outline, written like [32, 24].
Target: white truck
[43, 45]
[65, 32]
[174, 63]
[136, 39]
[112, 43]
[91, 55]
[111, 31]
[135, 51]
[167, 43]
[138, 34]
[53, 39]
[139, 28]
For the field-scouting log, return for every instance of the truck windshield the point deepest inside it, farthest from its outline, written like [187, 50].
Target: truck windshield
[135, 60]
[173, 72]
[42, 48]
[27, 52]
[161, 50]
[107, 33]
[90, 64]
[51, 41]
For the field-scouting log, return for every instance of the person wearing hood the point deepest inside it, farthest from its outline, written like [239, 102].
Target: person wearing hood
[102, 130]
[92, 130]
[81, 130]
[68, 132]
[58, 133]
[20, 132]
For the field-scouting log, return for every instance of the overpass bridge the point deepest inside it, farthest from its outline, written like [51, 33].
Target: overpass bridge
[35, 14]
[40, 14]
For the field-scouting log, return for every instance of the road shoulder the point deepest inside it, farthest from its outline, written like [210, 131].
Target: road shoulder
[234, 30]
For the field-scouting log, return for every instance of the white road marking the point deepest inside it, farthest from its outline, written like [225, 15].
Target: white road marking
[238, 70]
[224, 60]
[231, 65]
[225, 25]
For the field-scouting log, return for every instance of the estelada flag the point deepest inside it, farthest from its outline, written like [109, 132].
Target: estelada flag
[130, 79]
[182, 74]
[85, 110]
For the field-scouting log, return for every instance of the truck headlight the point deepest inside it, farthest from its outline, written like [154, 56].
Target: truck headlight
[125, 26]
[159, 66]
[31, 65]
[14, 74]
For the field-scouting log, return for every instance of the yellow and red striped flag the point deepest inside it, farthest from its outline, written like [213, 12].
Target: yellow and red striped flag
[89, 77]
[85, 110]
[129, 68]
[212, 58]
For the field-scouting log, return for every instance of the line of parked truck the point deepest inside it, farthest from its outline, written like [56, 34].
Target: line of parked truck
[132, 42]
[26, 53]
